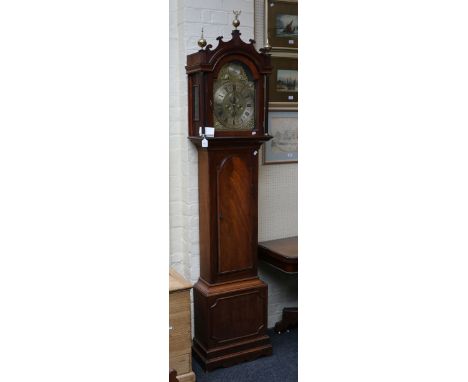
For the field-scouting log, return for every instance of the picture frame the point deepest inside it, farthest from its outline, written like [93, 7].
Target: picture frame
[283, 83]
[283, 147]
[281, 26]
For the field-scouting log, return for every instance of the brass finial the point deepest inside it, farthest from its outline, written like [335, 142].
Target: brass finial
[236, 21]
[202, 41]
[267, 46]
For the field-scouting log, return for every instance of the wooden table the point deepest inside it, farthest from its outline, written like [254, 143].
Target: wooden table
[282, 254]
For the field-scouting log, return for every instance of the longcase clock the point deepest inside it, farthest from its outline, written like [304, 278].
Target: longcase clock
[227, 91]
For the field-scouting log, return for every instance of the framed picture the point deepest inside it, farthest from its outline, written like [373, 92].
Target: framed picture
[283, 85]
[281, 25]
[283, 147]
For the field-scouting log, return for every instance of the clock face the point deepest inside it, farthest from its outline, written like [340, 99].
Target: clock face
[234, 98]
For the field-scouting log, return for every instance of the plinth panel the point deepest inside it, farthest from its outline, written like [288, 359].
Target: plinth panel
[230, 322]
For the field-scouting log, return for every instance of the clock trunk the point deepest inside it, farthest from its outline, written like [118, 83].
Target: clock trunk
[230, 301]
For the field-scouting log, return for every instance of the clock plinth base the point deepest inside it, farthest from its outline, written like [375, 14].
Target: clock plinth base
[230, 322]
[232, 356]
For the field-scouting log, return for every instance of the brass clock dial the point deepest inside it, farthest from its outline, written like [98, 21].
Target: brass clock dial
[234, 98]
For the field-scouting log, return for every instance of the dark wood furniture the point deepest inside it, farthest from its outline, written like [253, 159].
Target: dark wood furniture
[173, 375]
[230, 301]
[282, 254]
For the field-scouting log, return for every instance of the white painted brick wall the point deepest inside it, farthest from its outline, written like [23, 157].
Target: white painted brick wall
[187, 17]
[220, 17]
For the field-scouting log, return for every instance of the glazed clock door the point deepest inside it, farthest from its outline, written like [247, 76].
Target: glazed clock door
[237, 214]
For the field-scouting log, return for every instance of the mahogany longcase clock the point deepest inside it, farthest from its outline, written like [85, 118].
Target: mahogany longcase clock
[227, 91]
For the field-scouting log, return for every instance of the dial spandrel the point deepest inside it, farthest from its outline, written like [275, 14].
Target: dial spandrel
[234, 98]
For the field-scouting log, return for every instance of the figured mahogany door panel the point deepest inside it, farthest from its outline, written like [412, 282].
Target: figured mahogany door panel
[237, 317]
[235, 206]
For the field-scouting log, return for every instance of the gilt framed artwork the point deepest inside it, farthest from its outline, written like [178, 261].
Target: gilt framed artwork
[283, 147]
[284, 83]
[281, 25]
